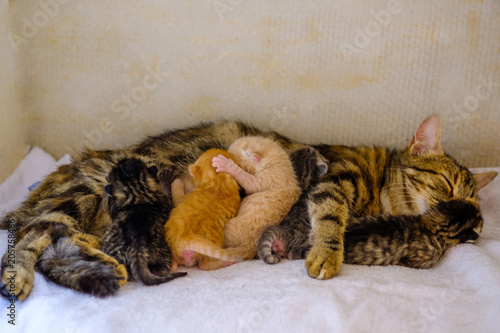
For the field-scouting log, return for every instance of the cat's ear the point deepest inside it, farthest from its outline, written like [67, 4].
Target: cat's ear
[153, 171]
[194, 170]
[483, 179]
[427, 139]
[255, 157]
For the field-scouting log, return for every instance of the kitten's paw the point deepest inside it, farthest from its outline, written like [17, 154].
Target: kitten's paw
[121, 274]
[16, 283]
[166, 176]
[323, 263]
[221, 163]
[272, 254]
[271, 259]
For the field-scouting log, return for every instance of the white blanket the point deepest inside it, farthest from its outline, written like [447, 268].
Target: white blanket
[461, 293]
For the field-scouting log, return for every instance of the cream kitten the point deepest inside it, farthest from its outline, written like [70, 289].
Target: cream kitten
[268, 178]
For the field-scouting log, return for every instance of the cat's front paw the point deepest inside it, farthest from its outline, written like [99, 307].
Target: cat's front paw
[16, 283]
[323, 263]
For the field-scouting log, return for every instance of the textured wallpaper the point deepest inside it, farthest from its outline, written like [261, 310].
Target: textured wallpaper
[13, 132]
[105, 74]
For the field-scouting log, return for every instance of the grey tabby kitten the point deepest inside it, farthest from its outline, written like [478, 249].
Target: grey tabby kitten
[417, 241]
[290, 237]
[139, 205]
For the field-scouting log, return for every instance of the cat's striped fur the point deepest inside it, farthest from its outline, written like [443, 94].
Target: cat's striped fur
[361, 181]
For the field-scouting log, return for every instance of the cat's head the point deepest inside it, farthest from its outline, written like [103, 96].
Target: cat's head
[131, 182]
[203, 174]
[422, 175]
[255, 153]
[309, 166]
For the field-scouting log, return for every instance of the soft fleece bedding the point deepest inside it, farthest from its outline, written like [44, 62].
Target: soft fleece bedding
[460, 294]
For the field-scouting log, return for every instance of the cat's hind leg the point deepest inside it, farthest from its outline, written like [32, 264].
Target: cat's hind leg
[18, 264]
[89, 246]
[76, 262]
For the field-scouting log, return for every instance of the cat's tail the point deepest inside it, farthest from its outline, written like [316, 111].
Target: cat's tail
[63, 264]
[141, 272]
[209, 249]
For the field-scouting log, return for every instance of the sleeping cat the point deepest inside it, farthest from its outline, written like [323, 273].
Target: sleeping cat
[195, 229]
[361, 181]
[371, 181]
[420, 180]
[290, 237]
[267, 176]
[139, 207]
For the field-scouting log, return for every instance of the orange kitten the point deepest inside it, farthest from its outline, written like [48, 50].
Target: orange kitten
[195, 228]
[267, 175]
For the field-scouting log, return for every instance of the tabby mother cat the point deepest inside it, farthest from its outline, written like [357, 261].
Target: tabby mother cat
[360, 181]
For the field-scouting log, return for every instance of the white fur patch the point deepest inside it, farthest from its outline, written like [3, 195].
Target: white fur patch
[421, 204]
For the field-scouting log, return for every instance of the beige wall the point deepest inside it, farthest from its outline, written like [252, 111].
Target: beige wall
[107, 73]
[13, 132]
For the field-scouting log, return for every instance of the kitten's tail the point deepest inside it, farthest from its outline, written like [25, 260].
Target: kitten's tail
[141, 272]
[63, 264]
[209, 249]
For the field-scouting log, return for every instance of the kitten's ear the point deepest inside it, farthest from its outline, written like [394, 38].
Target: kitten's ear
[253, 156]
[322, 169]
[427, 139]
[483, 179]
[153, 171]
[194, 170]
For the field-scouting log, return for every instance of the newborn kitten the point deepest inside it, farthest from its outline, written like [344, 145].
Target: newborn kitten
[267, 176]
[195, 229]
[139, 208]
[290, 237]
[417, 241]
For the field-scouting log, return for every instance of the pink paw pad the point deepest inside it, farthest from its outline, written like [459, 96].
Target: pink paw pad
[278, 247]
